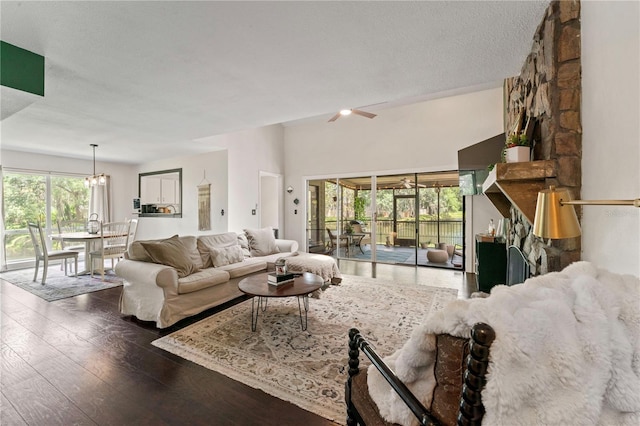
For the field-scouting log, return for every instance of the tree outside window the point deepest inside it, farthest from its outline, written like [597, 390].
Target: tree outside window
[41, 198]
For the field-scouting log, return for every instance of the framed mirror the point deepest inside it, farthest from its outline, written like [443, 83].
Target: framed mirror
[160, 193]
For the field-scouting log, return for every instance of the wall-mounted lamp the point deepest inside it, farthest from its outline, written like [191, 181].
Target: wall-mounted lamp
[289, 189]
[555, 216]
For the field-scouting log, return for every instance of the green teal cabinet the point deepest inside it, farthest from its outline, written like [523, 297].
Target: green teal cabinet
[491, 264]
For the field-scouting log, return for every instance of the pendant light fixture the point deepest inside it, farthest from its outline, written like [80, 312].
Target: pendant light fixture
[95, 179]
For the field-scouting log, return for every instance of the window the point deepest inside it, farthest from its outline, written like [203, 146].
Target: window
[37, 197]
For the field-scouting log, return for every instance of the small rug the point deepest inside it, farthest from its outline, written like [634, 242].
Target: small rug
[383, 254]
[307, 368]
[58, 285]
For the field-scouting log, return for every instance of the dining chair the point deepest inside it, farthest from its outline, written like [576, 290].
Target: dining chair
[66, 226]
[337, 241]
[133, 229]
[113, 244]
[44, 255]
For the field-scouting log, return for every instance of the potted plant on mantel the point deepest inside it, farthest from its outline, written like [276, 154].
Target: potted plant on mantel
[517, 148]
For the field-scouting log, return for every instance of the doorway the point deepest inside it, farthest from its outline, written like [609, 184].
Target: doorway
[270, 200]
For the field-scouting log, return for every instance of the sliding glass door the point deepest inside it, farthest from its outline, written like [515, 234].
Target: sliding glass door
[339, 218]
[355, 225]
[387, 218]
[440, 222]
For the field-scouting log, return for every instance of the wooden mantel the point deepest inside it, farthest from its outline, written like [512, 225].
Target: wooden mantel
[518, 184]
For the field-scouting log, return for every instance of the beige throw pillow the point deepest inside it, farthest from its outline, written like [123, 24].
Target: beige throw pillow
[171, 252]
[226, 256]
[137, 252]
[244, 244]
[207, 242]
[262, 242]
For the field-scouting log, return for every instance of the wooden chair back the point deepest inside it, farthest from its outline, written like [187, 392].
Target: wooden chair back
[133, 229]
[37, 239]
[114, 237]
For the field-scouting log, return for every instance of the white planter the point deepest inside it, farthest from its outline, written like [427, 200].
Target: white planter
[517, 154]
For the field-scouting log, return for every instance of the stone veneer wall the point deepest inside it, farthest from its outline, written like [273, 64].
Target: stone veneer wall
[549, 90]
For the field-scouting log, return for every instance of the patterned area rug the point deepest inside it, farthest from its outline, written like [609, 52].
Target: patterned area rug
[58, 285]
[307, 368]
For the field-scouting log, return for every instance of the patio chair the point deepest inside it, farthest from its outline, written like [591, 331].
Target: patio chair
[365, 239]
[337, 241]
[42, 253]
[114, 237]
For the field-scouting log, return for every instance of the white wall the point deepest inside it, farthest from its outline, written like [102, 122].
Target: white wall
[213, 166]
[413, 138]
[270, 200]
[479, 211]
[232, 167]
[611, 133]
[249, 152]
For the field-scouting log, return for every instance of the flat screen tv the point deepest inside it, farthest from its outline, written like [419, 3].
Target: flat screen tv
[474, 160]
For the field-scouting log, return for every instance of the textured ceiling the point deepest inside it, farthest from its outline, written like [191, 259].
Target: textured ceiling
[146, 80]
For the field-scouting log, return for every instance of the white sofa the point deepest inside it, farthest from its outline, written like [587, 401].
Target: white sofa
[165, 286]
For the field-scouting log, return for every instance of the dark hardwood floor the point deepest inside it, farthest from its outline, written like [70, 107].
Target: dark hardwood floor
[78, 361]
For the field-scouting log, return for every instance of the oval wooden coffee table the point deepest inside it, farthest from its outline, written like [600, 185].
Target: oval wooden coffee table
[301, 287]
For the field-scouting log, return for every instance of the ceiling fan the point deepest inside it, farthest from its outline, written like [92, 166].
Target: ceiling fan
[351, 111]
[408, 183]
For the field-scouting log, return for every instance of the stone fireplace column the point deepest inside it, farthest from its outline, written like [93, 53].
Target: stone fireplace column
[548, 90]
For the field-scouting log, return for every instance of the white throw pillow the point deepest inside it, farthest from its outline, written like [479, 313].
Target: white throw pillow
[262, 242]
[244, 243]
[226, 255]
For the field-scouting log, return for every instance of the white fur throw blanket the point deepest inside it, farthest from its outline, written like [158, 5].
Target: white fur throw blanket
[567, 351]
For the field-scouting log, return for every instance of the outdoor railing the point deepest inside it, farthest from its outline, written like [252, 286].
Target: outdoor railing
[430, 232]
[17, 245]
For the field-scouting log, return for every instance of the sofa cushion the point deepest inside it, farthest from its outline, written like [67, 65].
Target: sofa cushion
[137, 252]
[246, 267]
[171, 252]
[207, 242]
[226, 255]
[191, 244]
[202, 279]
[262, 242]
[273, 257]
[244, 244]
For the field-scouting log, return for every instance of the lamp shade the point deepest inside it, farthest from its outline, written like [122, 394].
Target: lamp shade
[553, 219]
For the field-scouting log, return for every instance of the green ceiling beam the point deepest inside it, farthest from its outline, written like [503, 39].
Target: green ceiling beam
[21, 69]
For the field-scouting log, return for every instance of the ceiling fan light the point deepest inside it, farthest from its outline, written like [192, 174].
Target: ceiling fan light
[345, 112]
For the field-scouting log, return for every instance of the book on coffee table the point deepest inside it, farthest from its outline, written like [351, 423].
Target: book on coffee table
[274, 279]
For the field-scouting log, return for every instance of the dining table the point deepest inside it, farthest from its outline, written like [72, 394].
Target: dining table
[90, 243]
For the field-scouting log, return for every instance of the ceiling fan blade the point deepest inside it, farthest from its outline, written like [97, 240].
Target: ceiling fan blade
[334, 118]
[363, 113]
